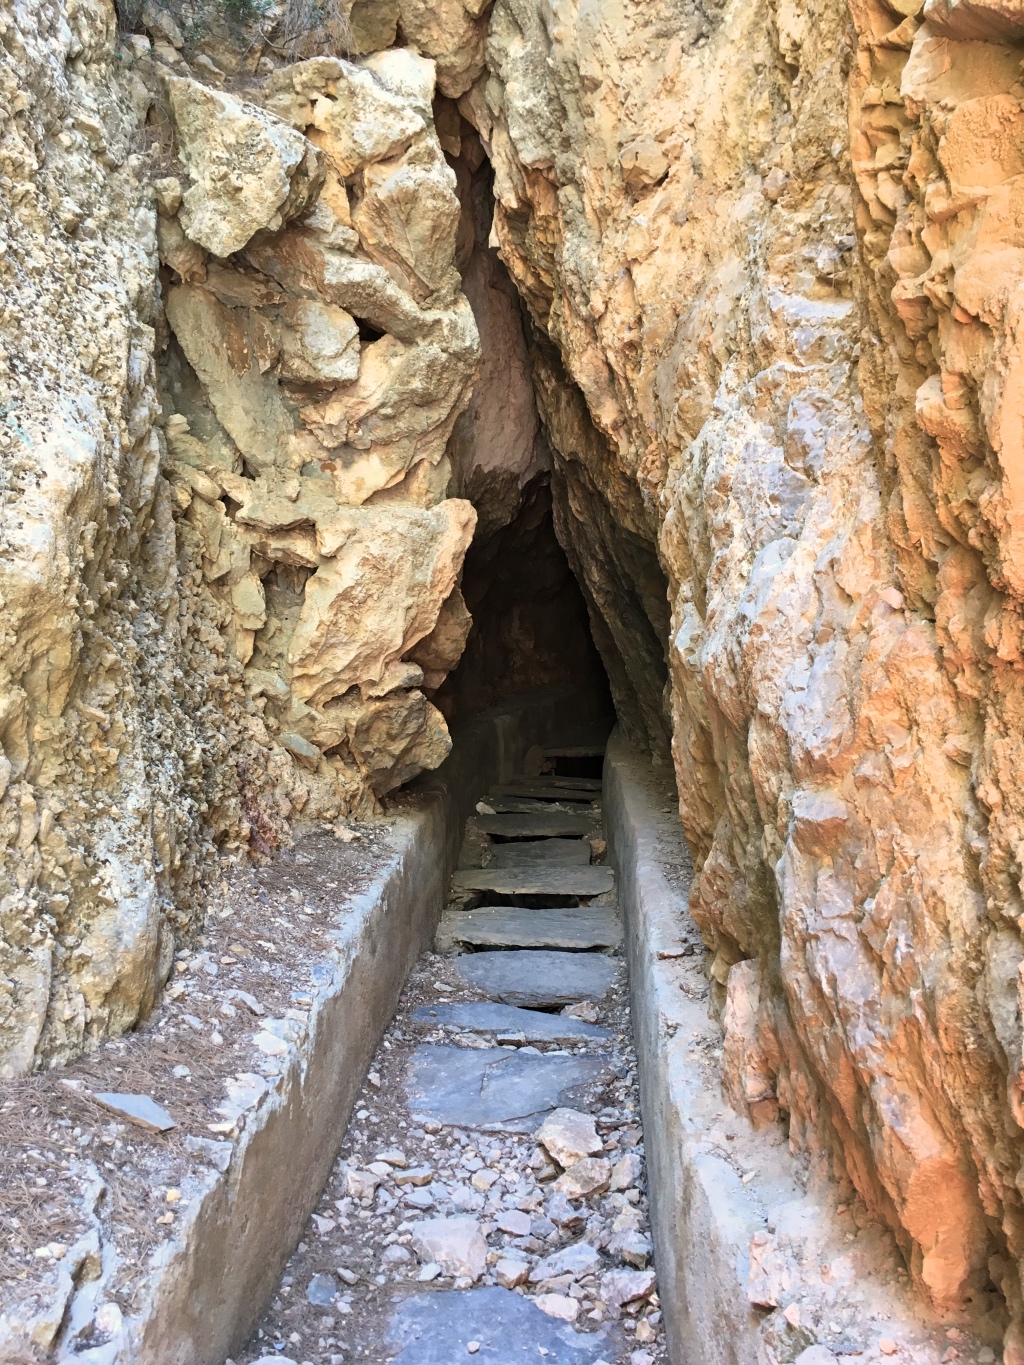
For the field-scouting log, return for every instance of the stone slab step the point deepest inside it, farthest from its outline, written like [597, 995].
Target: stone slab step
[527, 805]
[539, 978]
[543, 790]
[502, 1089]
[433, 1329]
[586, 784]
[488, 1016]
[565, 852]
[536, 881]
[514, 927]
[576, 751]
[554, 825]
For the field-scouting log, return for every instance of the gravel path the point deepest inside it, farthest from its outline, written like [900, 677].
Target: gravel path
[518, 1235]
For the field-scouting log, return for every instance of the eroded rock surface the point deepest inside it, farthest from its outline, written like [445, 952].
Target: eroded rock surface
[777, 350]
[328, 350]
[234, 352]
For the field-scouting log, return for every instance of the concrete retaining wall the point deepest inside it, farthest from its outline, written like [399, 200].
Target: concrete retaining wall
[700, 1233]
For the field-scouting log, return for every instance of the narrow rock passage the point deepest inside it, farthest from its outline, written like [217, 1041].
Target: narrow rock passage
[489, 1198]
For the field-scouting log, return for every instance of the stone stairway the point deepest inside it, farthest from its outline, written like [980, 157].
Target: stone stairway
[493, 1171]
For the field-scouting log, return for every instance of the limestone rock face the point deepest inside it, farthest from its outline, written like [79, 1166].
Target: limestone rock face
[97, 726]
[386, 572]
[778, 363]
[452, 32]
[322, 367]
[250, 170]
[230, 364]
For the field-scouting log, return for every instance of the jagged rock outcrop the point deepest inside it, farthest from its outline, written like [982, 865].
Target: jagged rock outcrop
[229, 565]
[324, 350]
[796, 377]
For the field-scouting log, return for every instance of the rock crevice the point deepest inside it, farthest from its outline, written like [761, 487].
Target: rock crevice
[303, 334]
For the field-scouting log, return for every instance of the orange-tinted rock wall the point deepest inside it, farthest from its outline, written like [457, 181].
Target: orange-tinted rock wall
[773, 256]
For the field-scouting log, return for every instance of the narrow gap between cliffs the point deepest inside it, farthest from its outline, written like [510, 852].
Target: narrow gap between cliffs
[490, 1194]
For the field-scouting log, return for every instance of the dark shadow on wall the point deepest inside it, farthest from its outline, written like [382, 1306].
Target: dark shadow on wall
[609, 536]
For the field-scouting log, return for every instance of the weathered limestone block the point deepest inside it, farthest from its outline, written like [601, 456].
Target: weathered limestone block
[318, 342]
[441, 650]
[250, 170]
[379, 589]
[407, 219]
[389, 739]
[452, 32]
[354, 118]
[357, 121]
[399, 411]
[284, 503]
[218, 345]
[749, 1077]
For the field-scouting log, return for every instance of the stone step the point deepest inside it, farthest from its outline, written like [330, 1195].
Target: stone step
[566, 852]
[576, 751]
[488, 1016]
[502, 1089]
[527, 805]
[542, 825]
[536, 881]
[515, 927]
[539, 978]
[590, 784]
[433, 1329]
[545, 790]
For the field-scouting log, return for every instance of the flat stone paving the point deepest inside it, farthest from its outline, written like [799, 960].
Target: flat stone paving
[496, 1089]
[539, 979]
[541, 825]
[543, 880]
[487, 1016]
[510, 1330]
[575, 928]
[527, 852]
[489, 1197]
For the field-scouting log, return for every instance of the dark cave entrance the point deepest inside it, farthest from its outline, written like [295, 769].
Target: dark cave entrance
[531, 624]
[559, 592]
[531, 628]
